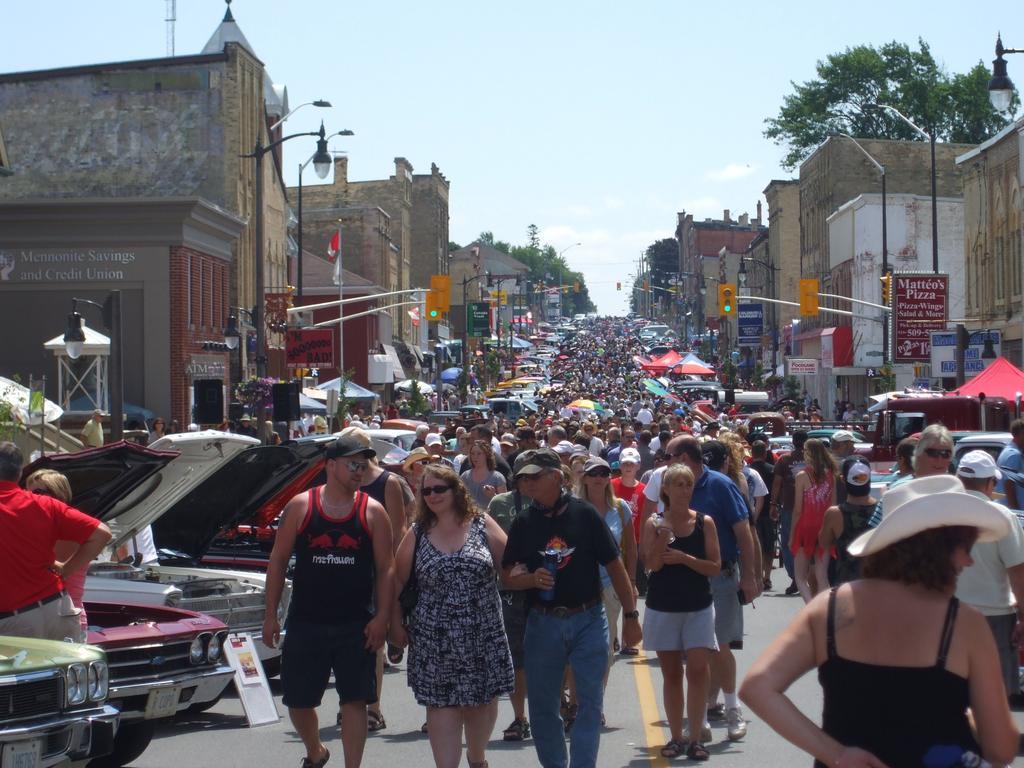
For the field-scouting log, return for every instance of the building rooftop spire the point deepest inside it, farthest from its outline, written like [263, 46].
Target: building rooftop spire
[227, 12]
[227, 32]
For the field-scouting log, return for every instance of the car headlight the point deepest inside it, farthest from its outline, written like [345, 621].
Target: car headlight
[215, 648]
[99, 681]
[77, 684]
[197, 651]
[173, 598]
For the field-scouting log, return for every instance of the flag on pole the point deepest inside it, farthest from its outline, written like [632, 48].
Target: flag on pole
[334, 254]
[414, 314]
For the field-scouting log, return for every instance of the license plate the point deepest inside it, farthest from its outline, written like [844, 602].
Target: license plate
[23, 754]
[163, 702]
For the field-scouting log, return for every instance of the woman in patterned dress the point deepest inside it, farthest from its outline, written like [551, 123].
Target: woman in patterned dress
[459, 660]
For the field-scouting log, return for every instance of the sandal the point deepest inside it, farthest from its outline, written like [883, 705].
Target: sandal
[307, 763]
[519, 730]
[375, 721]
[423, 728]
[570, 715]
[673, 749]
[696, 751]
[395, 654]
[630, 650]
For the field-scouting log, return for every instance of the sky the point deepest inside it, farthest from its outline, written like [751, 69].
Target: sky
[597, 121]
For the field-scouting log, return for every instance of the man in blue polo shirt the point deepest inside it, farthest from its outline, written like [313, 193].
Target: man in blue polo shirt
[716, 495]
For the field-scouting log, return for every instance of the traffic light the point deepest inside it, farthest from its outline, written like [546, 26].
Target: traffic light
[726, 298]
[438, 297]
[886, 288]
[809, 297]
[433, 311]
[618, 286]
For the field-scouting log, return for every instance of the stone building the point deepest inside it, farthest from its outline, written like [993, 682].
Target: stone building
[783, 248]
[837, 172]
[130, 135]
[993, 175]
[394, 231]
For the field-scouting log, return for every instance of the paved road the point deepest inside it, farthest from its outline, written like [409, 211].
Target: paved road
[636, 728]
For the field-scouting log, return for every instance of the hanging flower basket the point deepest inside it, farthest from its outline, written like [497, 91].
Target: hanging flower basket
[254, 392]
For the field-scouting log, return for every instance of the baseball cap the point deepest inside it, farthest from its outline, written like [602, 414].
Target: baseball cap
[536, 461]
[595, 462]
[433, 439]
[842, 436]
[714, 453]
[348, 446]
[629, 456]
[857, 474]
[564, 446]
[508, 439]
[979, 465]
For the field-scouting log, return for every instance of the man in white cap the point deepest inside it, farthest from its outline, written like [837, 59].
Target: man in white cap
[92, 432]
[841, 444]
[435, 447]
[994, 583]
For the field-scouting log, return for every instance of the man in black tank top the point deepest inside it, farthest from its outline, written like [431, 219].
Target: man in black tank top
[342, 542]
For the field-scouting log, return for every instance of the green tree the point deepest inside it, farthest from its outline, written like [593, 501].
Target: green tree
[418, 405]
[791, 388]
[533, 237]
[955, 107]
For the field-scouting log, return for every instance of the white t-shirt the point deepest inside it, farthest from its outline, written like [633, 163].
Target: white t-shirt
[985, 585]
[652, 491]
[596, 446]
[644, 416]
[146, 546]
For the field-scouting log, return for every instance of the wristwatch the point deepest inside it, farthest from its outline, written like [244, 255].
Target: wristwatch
[634, 614]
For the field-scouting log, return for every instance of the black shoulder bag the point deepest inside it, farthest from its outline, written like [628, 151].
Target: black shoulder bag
[410, 593]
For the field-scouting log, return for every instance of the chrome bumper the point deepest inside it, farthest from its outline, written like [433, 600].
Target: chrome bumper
[88, 733]
[207, 680]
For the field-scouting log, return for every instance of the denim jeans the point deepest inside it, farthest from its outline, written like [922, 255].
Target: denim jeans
[581, 642]
[785, 525]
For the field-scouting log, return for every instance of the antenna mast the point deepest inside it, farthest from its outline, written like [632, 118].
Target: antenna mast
[171, 18]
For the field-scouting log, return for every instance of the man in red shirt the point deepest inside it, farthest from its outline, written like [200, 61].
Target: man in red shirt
[33, 602]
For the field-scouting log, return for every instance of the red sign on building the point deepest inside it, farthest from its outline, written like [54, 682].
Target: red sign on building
[920, 305]
[311, 348]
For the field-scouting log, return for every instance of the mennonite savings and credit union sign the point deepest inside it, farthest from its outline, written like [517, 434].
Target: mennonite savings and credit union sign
[27, 265]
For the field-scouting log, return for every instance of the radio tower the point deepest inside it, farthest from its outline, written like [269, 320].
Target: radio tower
[171, 18]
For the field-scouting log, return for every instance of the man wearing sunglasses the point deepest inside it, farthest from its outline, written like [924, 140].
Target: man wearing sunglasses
[342, 542]
[566, 624]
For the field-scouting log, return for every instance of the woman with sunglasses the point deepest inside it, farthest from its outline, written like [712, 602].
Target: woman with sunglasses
[459, 659]
[595, 487]
[933, 452]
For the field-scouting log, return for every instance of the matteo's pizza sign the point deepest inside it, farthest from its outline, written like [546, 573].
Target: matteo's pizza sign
[920, 306]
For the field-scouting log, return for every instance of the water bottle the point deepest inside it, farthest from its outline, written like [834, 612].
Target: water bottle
[659, 523]
[551, 564]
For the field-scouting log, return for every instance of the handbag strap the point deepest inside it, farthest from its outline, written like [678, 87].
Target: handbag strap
[415, 551]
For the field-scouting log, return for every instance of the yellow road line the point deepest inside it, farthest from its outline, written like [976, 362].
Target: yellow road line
[654, 734]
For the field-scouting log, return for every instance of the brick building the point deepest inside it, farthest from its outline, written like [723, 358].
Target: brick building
[135, 139]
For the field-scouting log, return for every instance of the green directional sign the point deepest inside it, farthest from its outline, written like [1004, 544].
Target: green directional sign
[478, 319]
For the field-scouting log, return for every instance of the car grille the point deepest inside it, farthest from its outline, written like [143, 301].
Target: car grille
[239, 610]
[21, 700]
[128, 665]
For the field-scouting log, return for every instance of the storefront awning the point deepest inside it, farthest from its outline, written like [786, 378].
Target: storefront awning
[396, 363]
[837, 347]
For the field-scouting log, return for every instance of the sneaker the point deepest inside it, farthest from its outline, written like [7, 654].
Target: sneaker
[792, 589]
[735, 724]
[716, 712]
[706, 737]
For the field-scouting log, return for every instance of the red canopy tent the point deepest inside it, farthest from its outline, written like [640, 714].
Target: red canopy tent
[660, 365]
[1000, 379]
[692, 369]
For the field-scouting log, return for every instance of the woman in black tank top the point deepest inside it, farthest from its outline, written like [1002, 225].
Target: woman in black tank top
[899, 659]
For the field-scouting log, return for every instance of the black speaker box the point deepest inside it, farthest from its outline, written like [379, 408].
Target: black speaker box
[286, 401]
[208, 396]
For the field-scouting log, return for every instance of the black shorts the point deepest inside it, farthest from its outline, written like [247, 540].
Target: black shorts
[768, 533]
[513, 612]
[312, 651]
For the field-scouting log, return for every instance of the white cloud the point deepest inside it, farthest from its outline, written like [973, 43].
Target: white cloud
[731, 172]
[613, 203]
[580, 211]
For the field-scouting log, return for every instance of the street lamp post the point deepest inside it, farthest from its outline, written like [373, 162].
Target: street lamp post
[885, 235]
[465, 326]
[935, 203]
[74, 338]
[302, 167]
[1000, 87]
[322, 164]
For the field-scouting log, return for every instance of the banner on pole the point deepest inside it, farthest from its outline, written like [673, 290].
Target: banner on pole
[751, 324]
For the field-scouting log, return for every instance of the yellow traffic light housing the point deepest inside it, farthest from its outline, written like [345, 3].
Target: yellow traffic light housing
[726, 298]
[808, 297]
[886, 288]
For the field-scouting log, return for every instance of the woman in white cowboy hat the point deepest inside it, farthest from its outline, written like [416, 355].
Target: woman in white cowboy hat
[899, 659]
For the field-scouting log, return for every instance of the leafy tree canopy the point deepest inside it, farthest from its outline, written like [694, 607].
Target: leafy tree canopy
[841, 98]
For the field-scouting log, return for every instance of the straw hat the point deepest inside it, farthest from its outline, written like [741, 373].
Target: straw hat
[930, 502]
[415, 455]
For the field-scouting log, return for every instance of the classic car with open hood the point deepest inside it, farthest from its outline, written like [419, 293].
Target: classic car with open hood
[53, 703]
[188, 487]
[161, 661]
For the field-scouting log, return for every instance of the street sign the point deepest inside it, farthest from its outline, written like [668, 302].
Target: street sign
[919, 307]
[943, 352]
[499, 297]
[478, 319]
[751, 324]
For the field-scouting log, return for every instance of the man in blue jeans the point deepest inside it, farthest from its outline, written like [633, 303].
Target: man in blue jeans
[566, 624]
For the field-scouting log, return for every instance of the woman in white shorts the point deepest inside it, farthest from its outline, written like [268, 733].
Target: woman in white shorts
[681, 551]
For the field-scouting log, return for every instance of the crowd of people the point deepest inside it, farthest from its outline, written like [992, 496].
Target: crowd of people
[513, 562]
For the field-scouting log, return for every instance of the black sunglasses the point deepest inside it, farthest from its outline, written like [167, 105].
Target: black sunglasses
[939, 453]
[600, 472]
[42, 492]
[430, 490]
